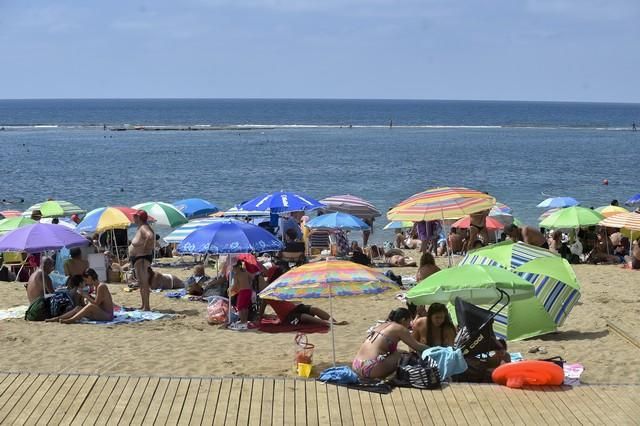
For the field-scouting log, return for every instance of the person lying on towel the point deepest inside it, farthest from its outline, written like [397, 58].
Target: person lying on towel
[294, 314]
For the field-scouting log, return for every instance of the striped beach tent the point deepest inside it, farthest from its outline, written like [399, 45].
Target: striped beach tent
[556, 288]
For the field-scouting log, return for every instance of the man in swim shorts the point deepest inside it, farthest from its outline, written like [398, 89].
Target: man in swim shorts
[141, 255]
[241, 287]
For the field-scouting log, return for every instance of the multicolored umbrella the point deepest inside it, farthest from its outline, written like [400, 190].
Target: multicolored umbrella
[490, 223]
[548, 213]
[106, 218]
[164, 213]
[472, 283]
[558, 202]
[502, 213]
[399, 224]
[195, 207]
[556, 288]
[441, 203]
[54, 208]
[228, 237]
[328, 279]
[350, 204]
[181, 232]
[10, 213]
[282, 202]
[608, 211]
[9, 224]
[628, 222]
[572, 217]
[40, 237]
[338, 220]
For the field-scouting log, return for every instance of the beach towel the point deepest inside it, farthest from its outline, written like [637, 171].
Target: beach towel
[178, 294]
[270, 324]
[572, 373]
[16, 312]
[341, 374]
[449, 361]
[129, 317]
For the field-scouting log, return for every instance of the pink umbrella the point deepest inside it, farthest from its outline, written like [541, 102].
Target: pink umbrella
[491, 223]
[10, 213]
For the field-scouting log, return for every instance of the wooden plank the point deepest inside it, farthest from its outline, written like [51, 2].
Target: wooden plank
[266, 409]
[223, 402]
[448, 399]
[400, 408]
[66, 402]
[111, 402]
[189, 402]
[165, 404]
[311, 398]
[505, 404]
[602, 410]
[547, 415]
[410, 405]
[200, 403]
[14, 395]
[335, 417]
[357, 411]
[389, 409]
[155, 402]
[121, 400]
[44, 401]
[8, 382]
[521, 407]
[177, 404]
[17, 407]
[322, 399]
[367, 409]
[37, 398]
[79, 400]
[234, 401]
[490, 405]
[146, 397]
[619, 397]
[255, 414]
[556, 403]
[211, 406]
[11, 388]
[345, 405]
[278, 402]
[478, 408]
[378, 410]
[245, 402]
[289, 401]
[57, 399]
[613, 400]
[579, 408]
[300, 401]
[429, 410]
[133, 401]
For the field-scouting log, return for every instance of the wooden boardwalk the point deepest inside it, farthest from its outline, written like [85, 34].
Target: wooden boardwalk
[69, 399]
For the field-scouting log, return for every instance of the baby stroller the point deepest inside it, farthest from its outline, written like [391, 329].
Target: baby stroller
[476, 340]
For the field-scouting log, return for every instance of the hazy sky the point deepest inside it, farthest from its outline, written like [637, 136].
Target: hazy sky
[565, 50]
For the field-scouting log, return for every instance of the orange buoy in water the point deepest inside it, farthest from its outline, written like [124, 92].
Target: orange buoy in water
[605, 181]
[528, 373]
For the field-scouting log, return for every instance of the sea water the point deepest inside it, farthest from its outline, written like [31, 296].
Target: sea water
[381, 150]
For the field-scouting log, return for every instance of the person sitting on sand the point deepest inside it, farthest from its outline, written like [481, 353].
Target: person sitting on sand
[526, 234]
[634, 258]
[75, 265]
[39, 282]
[159, 281]
[298, 313]
[378, 356]
[98, 309]
[73, 289]
[396, 257]
[196, 282]
[241, 287]
[427, 267]
[436, 329]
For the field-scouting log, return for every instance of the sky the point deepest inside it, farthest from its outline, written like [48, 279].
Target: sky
[553, 50]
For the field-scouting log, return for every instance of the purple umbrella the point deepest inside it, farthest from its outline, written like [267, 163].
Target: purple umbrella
[41, 237]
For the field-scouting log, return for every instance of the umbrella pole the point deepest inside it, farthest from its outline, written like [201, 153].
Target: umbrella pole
[333, 337]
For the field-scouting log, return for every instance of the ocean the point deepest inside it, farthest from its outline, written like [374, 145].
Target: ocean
[520, 152]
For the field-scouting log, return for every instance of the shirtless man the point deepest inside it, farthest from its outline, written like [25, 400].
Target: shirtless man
[98, 309]
[526, 234]
[241, 286]
[141, 255]
[75, 265]
[478, 229]
[35, 287]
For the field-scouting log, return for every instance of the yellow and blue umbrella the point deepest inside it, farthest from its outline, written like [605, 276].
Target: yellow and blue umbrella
[107, 218]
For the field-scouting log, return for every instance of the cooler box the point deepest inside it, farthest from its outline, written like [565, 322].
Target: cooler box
[97, 262]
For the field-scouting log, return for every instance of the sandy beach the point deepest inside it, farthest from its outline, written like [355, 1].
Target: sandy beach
[187, 346]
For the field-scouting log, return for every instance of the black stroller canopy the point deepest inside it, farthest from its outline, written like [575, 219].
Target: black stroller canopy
[475, 329]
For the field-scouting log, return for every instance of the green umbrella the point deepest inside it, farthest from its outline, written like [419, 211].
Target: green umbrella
[572, 217]
[473, 283]
[556, 288]
[164, 213]
[54, 208]
[12, 223]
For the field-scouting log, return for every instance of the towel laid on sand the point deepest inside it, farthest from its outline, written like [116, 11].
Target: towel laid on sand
[130, 317]
[17, 312]
[273, 325]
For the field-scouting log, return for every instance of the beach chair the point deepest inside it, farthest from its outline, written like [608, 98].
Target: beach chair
[318, 241]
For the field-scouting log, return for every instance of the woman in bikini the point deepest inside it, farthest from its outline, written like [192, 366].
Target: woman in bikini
[378, 356]
[436, 329]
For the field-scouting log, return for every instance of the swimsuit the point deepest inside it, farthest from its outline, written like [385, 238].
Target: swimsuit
[243, 300]
[364, 367]
[134, 259]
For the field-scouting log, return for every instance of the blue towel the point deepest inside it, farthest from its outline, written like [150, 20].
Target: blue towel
[129, 317]
[342, 375]
[176, 294]
[449, 361]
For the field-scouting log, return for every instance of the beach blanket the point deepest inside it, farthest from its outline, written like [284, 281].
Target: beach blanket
[16, 312]
[273, 325]
[129, 317]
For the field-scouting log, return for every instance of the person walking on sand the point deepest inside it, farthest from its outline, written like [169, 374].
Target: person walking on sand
[141, 255]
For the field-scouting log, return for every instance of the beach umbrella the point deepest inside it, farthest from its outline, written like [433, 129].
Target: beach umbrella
[548, 213]
[108, 218]
[633, 201]
[352, 205]
[556, 288]
[164, 213]
[500, 208]
[228, 237]
[54, 208]
[399, 224]
[608, 211]
[282, 202]
[472, 283]
[328, 279]
[555, 202]
[178, 234]
[491, 223]
[10, 213]
[67, 223]
[40, 237]
[338, 220]
[628, 222]
[238, 212]
[11, 223]
[572, 217]
[440, 204]
[195, 207]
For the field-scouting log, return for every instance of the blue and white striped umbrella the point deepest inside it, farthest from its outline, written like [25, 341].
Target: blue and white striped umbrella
[229, 237]
[281, 202]
[180, 233]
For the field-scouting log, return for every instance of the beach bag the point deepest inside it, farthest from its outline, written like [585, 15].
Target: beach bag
[417, 373]
[218, 310]
[38, 310]
[59, 304]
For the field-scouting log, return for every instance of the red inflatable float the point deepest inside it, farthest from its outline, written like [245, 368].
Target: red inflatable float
[528, 373]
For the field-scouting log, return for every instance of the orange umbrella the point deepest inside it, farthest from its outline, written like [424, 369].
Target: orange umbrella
[491, 223]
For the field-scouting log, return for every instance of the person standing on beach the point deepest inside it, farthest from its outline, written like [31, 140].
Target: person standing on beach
[241, 287]
[141, 255]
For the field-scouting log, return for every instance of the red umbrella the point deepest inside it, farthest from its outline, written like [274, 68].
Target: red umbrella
[10, 213]
[491, 223]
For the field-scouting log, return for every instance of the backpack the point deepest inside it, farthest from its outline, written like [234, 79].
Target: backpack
[38, 310]
[59, 303]
[417, 373]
